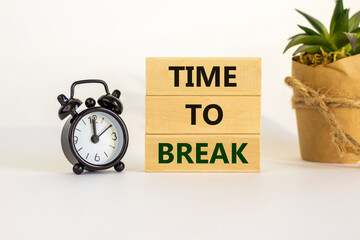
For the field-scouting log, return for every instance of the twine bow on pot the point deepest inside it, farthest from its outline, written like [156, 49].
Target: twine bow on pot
[323, 104]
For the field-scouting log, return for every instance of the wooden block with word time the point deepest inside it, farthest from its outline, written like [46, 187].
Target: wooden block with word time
[203, 76]
[202, 153]
[203, 114]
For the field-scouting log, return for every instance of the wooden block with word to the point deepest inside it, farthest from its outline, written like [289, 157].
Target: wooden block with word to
[202, 153]
[203, 76]
[203, 114]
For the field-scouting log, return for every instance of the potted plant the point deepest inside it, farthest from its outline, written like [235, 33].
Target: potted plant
[326, 84]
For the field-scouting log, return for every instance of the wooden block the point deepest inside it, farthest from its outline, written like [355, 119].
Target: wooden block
[202, 153]
[175, 115]
[230, 76]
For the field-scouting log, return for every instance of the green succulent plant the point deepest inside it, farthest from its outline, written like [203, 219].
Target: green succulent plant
[343, 34]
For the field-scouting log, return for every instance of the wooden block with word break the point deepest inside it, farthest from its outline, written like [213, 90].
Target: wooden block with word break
[202, 153]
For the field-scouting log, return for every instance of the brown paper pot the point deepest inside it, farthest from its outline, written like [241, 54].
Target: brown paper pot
[338, 79]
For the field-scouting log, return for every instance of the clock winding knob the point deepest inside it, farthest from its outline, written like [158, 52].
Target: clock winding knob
[90, 102]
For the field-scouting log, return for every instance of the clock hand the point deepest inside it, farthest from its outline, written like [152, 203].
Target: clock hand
[94, 125]
[94, 138]
[104, 130]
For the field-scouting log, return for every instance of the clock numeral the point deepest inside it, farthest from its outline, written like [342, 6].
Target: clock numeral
[106, 154]
[76, 139]
[114, 136]
[97, 158]
[92, 117]
[112, 146]
[83, 121]
[87, 155]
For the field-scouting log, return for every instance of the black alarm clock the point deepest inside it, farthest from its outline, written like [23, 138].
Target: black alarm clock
[96, 138]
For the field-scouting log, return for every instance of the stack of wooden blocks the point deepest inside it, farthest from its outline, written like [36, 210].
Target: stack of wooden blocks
[203, 114]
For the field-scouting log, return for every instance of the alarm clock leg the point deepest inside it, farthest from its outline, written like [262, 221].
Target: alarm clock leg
[119, 167]
[78, 169]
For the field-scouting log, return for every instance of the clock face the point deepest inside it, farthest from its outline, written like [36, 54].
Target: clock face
[98, 138]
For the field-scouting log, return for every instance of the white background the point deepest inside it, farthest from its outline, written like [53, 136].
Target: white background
[45, 45]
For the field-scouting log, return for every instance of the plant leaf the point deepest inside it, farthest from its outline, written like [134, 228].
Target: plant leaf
[340, 40]
[301, 34]
[342, 24]
[352, 39]
[306, 40]
[307, 48]
[339, 8]
[354, 21]
[348, 49]
[315, 23]
[308, 30]
[357, 30]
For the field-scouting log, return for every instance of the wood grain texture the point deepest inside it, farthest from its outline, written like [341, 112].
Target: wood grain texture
[168, 115]
[160, 80]
[251, 152]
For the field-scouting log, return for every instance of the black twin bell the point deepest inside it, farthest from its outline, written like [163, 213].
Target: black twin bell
[108, 101]
[80, 138]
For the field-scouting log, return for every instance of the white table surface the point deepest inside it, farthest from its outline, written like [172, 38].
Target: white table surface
[290, 199]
